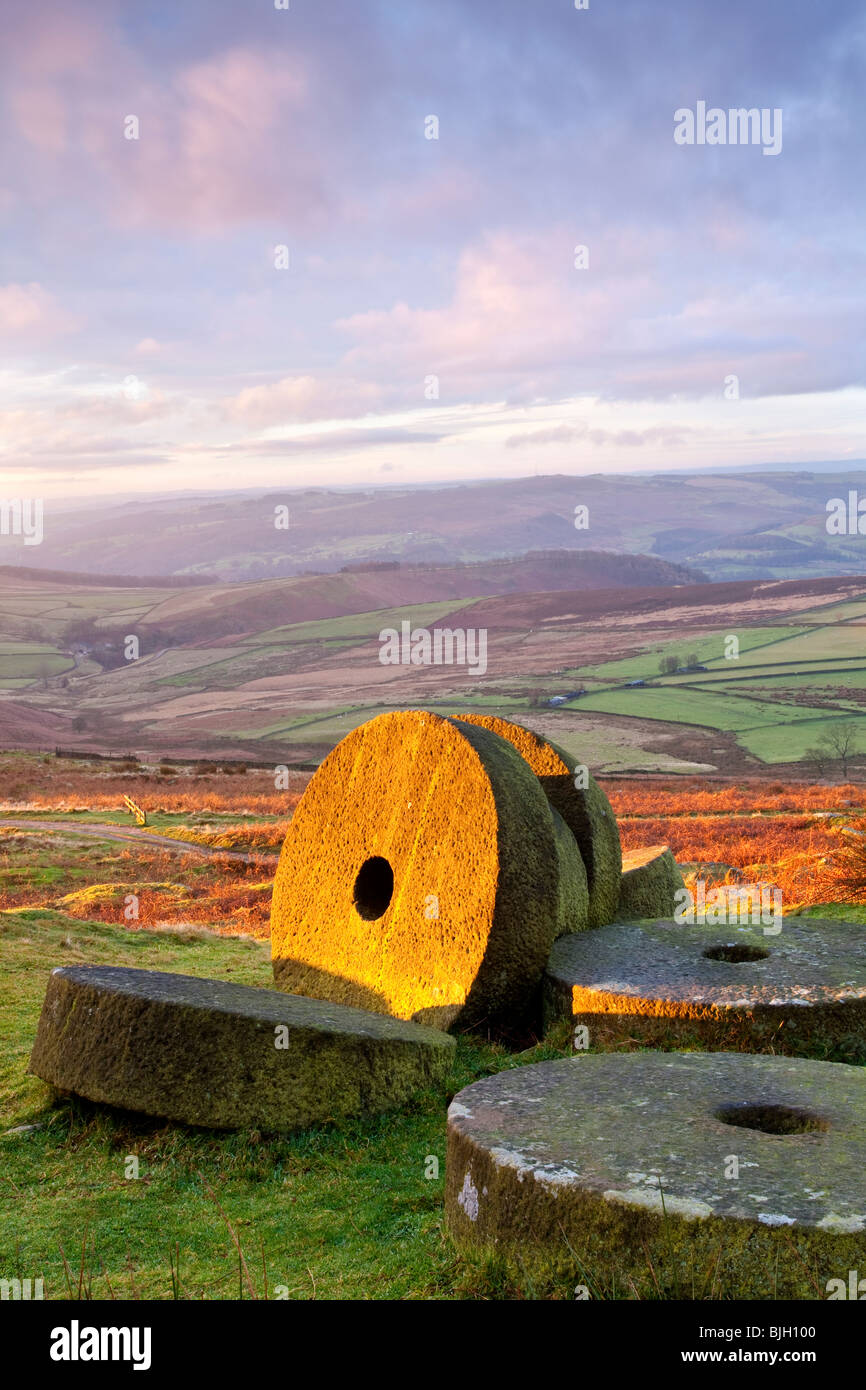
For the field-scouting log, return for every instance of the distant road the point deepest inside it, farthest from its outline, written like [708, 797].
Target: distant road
[99, 831]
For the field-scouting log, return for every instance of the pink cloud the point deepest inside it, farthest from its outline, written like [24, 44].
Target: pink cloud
[296, 398]
[30, 313]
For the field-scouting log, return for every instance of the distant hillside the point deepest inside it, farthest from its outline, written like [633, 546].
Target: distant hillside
[769, 525]
[282, 669]
[116, 581]
[194, 614]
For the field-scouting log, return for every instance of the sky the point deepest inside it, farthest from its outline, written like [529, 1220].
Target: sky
[231, 254]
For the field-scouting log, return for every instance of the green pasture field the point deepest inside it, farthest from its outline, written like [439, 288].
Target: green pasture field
[31, 665]
[786, 743]
[335, 724]
[707, 649]
[770, 678]
[835, 612]
[732, 673]
[837, 641]
[694, 705]
[360, 625]
[25, 648]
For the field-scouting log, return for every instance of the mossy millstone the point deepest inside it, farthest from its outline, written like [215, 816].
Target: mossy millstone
[226, 1056]
[615, 1171]
[670, 984]
[585, 810]
[423, 874]
[649, 885]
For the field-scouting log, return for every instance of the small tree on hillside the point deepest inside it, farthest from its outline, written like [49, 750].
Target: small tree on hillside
[841, 742]
[818, 757]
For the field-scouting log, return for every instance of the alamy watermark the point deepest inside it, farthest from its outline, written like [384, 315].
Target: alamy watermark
[443, 646]
[733, 904]
[22, 516]
[17, 1289]
[846, 517]
[736, 126]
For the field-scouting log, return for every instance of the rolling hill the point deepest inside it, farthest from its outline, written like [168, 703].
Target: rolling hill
[280, 670]
[746, 525]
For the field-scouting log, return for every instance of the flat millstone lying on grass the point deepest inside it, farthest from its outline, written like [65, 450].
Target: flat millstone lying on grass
[670, 984]
[649, 884]
[615, 1171]
[226, 1056]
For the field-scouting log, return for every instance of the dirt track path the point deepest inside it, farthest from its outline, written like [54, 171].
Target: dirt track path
[129, 835]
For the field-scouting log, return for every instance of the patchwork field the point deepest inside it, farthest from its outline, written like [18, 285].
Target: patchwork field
[214, 672]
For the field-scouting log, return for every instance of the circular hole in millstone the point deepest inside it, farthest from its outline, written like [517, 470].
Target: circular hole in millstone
[736, 953]
[772, 1119]
[374, 888]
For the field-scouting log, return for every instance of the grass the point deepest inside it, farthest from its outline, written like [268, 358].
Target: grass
[329, 1213]
[693, 705]
[362, 625]
[348, 1213]
[707, 649]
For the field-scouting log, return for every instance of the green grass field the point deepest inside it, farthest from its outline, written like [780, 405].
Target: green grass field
[736, 695]
[361, 625]
[330, 1213]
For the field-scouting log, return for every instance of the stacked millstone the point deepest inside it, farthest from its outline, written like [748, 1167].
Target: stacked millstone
[668, 984]
[431, 864]
[424, 874]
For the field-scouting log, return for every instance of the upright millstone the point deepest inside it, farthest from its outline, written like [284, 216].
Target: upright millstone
[679, 1175]
[424, 874]
[226, 1056]
[575, 794]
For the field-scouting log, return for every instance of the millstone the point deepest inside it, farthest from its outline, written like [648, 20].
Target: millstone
[423, 874]
[667, 983]
[585, 810]
[692, 1175]
[649, 885]
[226, 1056]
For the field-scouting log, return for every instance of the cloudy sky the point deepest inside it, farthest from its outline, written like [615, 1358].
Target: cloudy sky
[152, 337]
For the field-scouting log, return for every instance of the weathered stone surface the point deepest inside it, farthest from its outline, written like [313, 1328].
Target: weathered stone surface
[650, 881]
[586, 811]
[610, 1169]
[655, 982]
[206, 1052]
[423, 874]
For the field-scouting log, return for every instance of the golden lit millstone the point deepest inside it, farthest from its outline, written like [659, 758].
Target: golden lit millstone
[585, 810]
[650, 881]
[424, 875]
[664, 1175]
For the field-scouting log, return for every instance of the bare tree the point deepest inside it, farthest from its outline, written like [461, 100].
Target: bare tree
[818, 757]
[841, 741]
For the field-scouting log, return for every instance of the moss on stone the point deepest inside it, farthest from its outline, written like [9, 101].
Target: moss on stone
[615, 1171]
[205, 1052]
[669, 984]
[650, 882]
[469, 884]
[585, 810]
